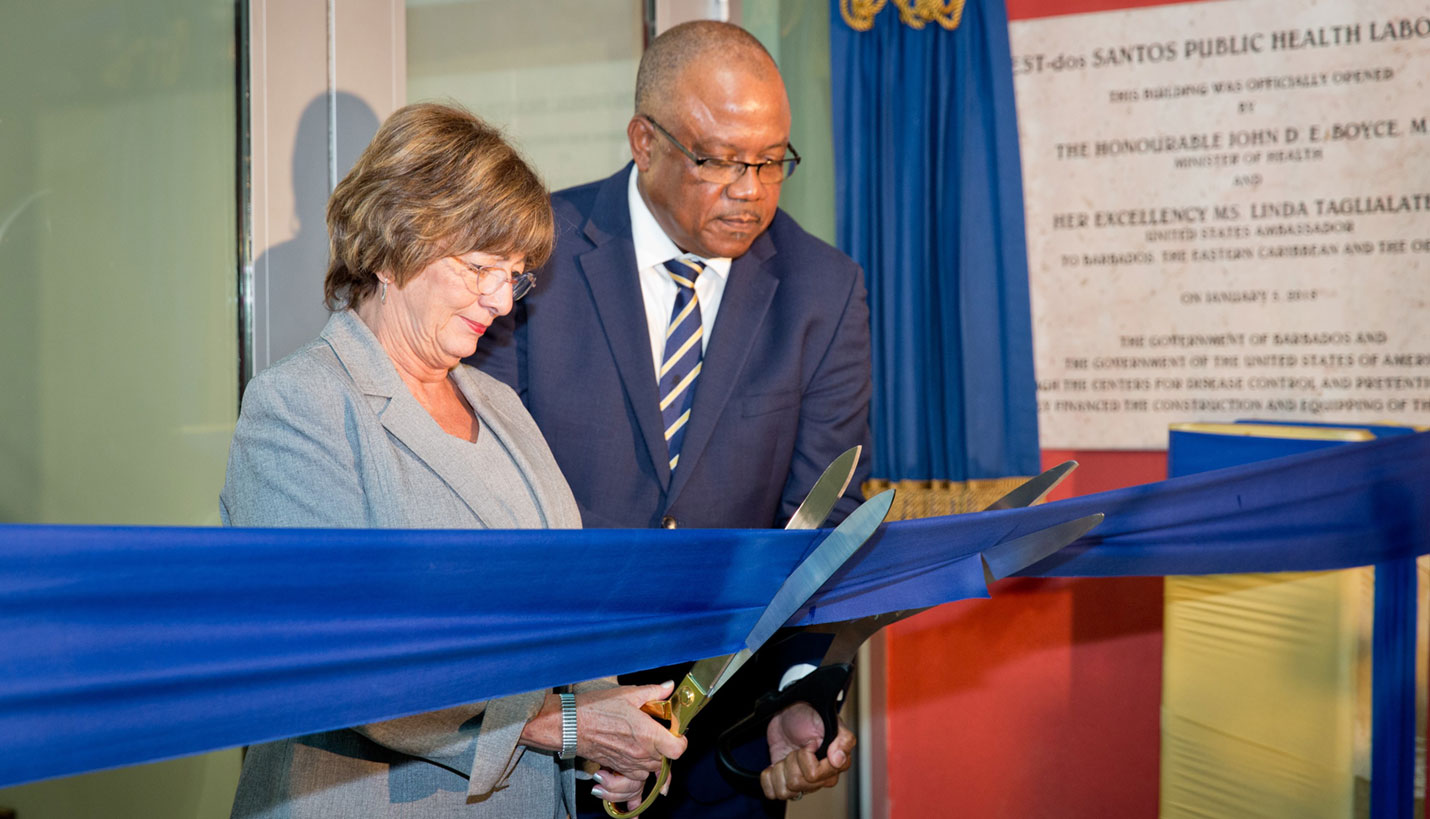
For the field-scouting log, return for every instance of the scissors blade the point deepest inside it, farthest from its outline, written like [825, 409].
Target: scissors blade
[810, 515]
[1034, 489]
[1002, 560]
[803, 582]
[1011, 556]
[826, 492]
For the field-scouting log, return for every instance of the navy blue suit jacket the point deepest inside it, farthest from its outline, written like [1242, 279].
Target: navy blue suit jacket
[783, 390]
[784, 387]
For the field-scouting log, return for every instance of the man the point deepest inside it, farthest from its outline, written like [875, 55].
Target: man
[695, 358]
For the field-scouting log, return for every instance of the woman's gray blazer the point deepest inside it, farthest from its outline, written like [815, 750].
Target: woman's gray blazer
[331, 437]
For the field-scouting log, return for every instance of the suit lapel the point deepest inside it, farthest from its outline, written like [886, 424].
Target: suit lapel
[519, 447]
[416, 429]
[611, 275]
[400, 414]
[748, 293]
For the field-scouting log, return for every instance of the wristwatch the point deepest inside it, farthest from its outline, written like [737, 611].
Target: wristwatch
[568, 726]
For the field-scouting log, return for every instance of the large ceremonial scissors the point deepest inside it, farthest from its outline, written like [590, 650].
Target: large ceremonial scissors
[826, 687]
[707, 676]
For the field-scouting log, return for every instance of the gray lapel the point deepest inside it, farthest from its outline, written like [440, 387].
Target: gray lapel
[611, 276]
[374, 373]
[529, 460]
[748, 293]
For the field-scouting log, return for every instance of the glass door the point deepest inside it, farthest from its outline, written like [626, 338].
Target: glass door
[118, 282]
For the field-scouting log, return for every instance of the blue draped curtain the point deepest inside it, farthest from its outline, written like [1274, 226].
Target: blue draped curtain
[930, 201]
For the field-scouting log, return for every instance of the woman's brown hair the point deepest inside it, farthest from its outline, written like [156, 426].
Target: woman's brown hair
[435, 181]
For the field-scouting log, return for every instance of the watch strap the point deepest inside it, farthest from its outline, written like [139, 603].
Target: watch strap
[568, 725]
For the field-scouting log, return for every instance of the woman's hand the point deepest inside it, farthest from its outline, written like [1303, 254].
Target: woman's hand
[616, 788]
[613, 732]
[794, 734]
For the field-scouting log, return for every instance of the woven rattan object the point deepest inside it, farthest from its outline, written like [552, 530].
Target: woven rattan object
[927, 499]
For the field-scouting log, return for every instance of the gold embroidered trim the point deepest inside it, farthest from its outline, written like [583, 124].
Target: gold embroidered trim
[859, 14]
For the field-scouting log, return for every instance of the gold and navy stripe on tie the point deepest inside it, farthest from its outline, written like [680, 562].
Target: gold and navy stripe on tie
[680, 365]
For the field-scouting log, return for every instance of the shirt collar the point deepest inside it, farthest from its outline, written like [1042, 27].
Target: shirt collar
[651, 243]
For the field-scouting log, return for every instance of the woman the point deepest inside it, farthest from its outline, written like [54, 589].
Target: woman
[378, 424]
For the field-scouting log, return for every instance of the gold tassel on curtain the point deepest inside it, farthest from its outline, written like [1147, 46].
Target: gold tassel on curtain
[859, 14]
[927, 499]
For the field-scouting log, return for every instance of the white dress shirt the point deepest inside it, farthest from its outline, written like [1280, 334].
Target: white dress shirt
[657, 290]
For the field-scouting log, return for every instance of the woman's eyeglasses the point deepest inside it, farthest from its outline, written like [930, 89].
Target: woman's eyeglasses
[484, 281]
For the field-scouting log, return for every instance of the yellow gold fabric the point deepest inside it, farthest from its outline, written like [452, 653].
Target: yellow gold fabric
[1278, 431]
[1266, 694]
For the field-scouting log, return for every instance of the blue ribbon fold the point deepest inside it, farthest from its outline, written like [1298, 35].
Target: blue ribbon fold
[134, 644]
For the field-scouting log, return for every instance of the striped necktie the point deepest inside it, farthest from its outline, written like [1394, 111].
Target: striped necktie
[681, 364]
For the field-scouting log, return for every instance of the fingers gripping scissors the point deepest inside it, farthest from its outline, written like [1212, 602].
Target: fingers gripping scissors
[707, 676]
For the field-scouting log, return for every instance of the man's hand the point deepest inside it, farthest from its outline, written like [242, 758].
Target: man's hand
[794, 735]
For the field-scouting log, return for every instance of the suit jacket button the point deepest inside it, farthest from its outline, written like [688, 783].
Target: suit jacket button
[668, 522]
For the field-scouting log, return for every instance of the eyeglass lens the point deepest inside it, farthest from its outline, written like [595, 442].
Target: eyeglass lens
[725, 172]
[484, 281]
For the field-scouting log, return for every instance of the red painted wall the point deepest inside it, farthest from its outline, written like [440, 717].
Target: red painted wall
[1043, 701]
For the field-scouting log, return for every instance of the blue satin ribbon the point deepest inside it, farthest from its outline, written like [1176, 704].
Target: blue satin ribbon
[132, 644]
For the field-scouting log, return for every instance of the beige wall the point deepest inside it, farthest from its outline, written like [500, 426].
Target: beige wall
[323, 76]
[559, 77]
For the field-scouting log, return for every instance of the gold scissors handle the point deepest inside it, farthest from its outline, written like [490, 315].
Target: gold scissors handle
[686, 701]
[709, 674]
[613, 811]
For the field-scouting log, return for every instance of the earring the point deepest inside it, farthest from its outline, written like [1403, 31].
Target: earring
[382, 294]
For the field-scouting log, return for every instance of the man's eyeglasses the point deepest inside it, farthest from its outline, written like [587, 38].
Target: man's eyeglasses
[726, 171]
[484, 281]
